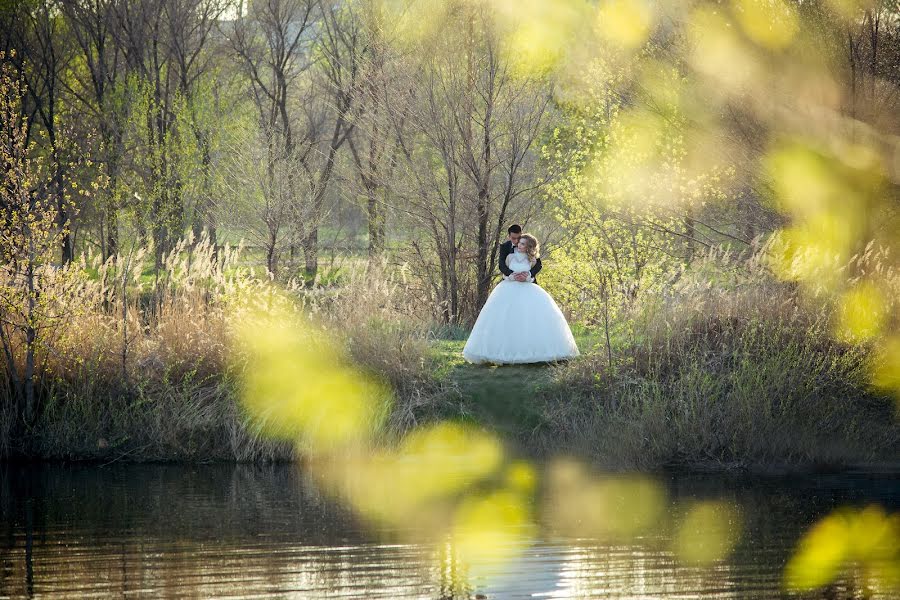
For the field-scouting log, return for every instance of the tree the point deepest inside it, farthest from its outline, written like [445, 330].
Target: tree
[30, 233]
[165, 45]
[344, 52]
[272, 42]
[43, 53]
[467, 127]
[371, 144]
[97, 88]
[263, 194]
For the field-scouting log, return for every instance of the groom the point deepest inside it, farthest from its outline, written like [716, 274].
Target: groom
[515, 232]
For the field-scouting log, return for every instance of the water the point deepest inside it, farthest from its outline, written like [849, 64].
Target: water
[245, 531]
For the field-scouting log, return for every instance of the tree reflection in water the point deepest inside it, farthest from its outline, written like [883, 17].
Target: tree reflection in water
[244, 530]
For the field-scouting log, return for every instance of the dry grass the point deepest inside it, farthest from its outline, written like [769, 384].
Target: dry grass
[739, 373]
[385, 329]
[750, 377]
[149, 370]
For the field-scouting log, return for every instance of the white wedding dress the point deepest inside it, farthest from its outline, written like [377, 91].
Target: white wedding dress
[520, 323]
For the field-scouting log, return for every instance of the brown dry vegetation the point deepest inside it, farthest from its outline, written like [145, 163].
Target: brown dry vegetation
[746, 378]
[153, 373]
[741, 375]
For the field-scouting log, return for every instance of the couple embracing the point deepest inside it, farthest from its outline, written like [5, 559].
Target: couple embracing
[520, 322]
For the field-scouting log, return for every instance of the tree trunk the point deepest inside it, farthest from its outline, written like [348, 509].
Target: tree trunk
[311, 243]
[68, 251]
[690, 233]
[483, 261]
[112, 232]
[214, 240]
[28, 380]
[30, 336]
[311, 253]
[272, 251]
[62, 215]
[270, 259]
[451, 259]
[375, 222]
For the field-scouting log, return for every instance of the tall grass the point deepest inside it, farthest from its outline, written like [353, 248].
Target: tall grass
[746, 377]
[736, 372]
[147, 367]
[386, 331]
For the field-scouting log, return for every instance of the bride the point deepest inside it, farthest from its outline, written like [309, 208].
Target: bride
[520, 322]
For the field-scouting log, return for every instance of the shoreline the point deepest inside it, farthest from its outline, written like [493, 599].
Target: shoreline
[679, 415]
[885, 468]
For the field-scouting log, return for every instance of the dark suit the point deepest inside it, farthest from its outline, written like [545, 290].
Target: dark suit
[506, 248]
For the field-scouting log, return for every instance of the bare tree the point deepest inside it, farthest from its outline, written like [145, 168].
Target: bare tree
[272, 41]
[479, 122]
[344, 49]
[373, 146]
[263, 194]
[305, 103]
[97, 89]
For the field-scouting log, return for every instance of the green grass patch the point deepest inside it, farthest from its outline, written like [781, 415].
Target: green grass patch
[503, 398]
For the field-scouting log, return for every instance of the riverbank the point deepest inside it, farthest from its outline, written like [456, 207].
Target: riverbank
[689, 418]
[744, 418]
[747, 377]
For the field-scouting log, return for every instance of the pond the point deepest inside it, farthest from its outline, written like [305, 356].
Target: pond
[271, 531]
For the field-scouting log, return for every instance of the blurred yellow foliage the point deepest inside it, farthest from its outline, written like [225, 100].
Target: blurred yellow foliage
[521, 476]
[299, 387]
[812, 253]
[449, 455]
[886, 366]
[625, 22]
[862, 312]
[831, 202]
[609, 507]
[719, 53]
[769, 23]
[402, 485]
[492, 527]
[539, 33]
[805, 182]
[867, 540]
[708, 532]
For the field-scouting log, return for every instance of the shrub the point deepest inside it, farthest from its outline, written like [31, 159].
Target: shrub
[147, 369]
[746, 377]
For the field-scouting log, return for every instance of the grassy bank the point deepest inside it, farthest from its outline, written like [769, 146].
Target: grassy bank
[717, 400]
[749, 377]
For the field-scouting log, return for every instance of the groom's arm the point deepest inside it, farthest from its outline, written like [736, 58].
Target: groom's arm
[536, 268]
[502, 261]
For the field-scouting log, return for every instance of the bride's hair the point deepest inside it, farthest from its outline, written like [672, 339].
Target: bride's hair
[532, 246]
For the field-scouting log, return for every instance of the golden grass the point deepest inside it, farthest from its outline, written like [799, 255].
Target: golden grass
[747, 375]
[149, 368]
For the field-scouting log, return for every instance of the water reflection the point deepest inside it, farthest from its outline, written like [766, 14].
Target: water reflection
[248, 531]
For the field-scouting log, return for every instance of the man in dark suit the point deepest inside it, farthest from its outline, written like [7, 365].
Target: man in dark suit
[507, 247]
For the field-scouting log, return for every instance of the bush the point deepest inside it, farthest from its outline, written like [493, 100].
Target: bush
[149, 370]
[745, 378]
[387, 332]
